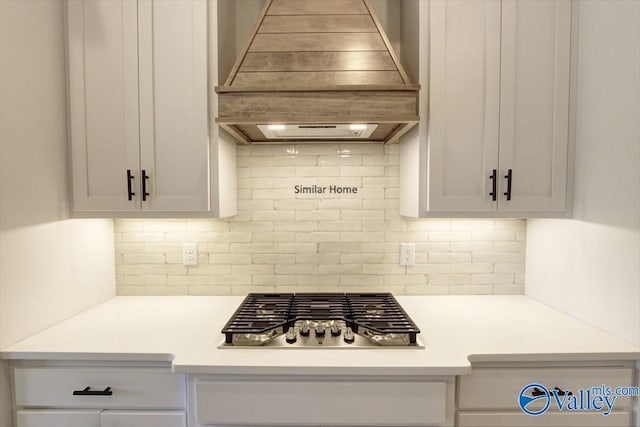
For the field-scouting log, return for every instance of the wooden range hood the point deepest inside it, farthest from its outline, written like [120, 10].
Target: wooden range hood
[317, 70]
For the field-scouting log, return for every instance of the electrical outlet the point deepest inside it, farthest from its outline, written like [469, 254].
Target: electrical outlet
[407, 254]
[189, 254]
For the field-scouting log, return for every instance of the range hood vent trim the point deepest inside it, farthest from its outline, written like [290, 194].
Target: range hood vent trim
[354, 78]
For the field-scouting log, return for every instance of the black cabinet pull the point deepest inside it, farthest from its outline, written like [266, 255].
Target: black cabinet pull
[88, 392]
[145, 177]
[130, 192]
[561, 392]
[537, 392]
[508, 176]
[494, 185]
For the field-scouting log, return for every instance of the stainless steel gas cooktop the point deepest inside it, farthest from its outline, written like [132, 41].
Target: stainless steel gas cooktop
[321, 320]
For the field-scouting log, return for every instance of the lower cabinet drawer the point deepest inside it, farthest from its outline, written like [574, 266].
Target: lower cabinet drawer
[326, 403]
[113, 387]
[500, 388]
[549, 419]
[58, 418]
[99, 418]
[143, 419]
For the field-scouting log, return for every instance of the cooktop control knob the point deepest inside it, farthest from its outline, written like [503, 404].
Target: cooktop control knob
[304, 329]
[291, 336]
[335, 330]
[320, 331]
[349, 336]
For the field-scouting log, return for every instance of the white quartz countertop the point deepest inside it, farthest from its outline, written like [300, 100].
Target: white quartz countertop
[456, 331]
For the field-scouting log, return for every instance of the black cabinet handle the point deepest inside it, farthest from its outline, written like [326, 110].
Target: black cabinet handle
[145, 177]
[561, 392]
[508, 176]
[130, 192]
[537, 392]
[494, 185]
[88, 392]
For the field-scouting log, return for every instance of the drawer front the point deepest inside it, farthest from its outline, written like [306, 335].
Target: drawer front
[114, 418]
[58, 418]
[549, 419]
[131, 388]
[313, 403]
[499, 388]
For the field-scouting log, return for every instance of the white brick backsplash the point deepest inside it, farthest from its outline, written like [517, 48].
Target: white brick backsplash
[281, 241]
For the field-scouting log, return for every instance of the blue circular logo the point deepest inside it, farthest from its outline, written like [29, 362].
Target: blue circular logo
[536, 393]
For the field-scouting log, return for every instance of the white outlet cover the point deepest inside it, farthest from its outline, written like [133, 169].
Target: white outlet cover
[407, 254]
[189, 254]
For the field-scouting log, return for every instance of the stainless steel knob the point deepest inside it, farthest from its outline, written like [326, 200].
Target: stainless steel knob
[348, 336]
[320, 331]
[291, 336]
[335, 330]
[304, 329]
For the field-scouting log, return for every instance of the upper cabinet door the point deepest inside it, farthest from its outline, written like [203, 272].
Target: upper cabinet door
[464, 65]
[103, 103]
[174, 136]
[534, 104]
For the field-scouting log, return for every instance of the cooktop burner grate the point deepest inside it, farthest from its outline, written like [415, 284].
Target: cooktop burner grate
[371, 314]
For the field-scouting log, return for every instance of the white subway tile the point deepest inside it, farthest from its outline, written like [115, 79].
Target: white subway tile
[250, 248]
[449, 279]
[295, 161]
[296, 248]
[274, 236]
[362, 258]
[255, 226]
[272, 172]
[226, 258]
[361, 280]
[144, 258]
[449, 257]
[491, 279]
[361, 171]
[340, 269]
[317, 258]
[512, 267]
[188, 280]
[403, 279]
[336, 160]
[295, 226]
[339, 204]
[274, 258]
[326, 215]
[317, 170]
[370, 149]
[385, 269]
[364, 236]
[339, 226]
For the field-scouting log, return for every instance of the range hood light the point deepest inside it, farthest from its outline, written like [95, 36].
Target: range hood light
[357, 127]
[276, 127]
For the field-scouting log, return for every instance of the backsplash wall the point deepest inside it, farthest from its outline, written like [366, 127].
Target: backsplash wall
[309, 241]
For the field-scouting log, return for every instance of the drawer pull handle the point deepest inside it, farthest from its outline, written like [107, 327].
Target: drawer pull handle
[537, 392]
[88, 392]
[561, 392]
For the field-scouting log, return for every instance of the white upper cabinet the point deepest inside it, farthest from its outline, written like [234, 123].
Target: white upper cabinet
[464, 101]
[139, 106]
[493, 137]
[534, 104]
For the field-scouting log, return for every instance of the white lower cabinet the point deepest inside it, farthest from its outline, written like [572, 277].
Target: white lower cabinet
[490, 396]
[320, 401]
[58, 418]
[47, 396]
